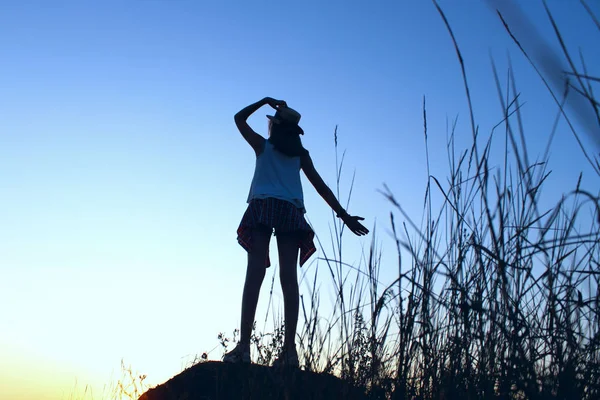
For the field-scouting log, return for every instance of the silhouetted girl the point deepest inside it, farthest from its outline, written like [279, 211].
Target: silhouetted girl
[276, 204]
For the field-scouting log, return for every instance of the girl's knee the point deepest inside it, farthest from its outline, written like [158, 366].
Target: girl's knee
[289, 288]
[288, 277]
[256, 267]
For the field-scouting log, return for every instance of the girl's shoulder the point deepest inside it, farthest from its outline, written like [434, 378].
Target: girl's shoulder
[260, 149]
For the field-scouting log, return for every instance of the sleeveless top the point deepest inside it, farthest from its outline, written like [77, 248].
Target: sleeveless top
[277, 175]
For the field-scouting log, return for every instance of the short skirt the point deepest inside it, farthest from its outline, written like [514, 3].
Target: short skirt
[279, 216]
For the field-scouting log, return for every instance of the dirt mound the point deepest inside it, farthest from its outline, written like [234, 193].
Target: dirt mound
[220, 381]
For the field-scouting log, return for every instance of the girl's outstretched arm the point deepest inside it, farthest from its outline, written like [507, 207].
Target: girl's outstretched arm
[352, 222]
[253, 138]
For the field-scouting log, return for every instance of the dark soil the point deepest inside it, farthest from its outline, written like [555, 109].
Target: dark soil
[220, 381]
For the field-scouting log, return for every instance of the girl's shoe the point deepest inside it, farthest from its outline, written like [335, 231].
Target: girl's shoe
[287, 359]
[240, 354]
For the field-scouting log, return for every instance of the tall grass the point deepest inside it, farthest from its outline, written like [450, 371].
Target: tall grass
[130, 386]
[497, 293]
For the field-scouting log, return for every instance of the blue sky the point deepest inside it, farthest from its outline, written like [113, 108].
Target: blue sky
[123, 177]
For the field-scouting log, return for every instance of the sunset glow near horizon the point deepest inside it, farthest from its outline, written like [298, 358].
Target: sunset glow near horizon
[123, 177]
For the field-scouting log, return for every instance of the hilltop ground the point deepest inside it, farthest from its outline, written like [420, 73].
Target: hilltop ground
[220, 381]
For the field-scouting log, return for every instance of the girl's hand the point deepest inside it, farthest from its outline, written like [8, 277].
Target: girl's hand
[356, 227]
[275, 103]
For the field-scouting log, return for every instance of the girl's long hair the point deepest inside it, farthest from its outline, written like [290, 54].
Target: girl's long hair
[286, 139]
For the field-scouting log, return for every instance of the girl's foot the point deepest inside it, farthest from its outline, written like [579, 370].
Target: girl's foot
[287, 358]
[240, 354]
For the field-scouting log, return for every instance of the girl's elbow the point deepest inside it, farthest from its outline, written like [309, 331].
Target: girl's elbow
[324, 191]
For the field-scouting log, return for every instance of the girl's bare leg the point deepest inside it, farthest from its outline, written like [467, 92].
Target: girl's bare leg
[287, 246]
[255, 274]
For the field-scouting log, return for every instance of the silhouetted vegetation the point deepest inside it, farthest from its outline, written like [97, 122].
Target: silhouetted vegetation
[496, 295]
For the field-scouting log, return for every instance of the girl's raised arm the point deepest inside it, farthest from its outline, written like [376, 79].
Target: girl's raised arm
[253, 138]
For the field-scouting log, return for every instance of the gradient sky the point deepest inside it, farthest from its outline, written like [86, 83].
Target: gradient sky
[123, 177]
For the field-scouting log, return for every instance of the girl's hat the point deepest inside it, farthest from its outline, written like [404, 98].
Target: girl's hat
[288, 116]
